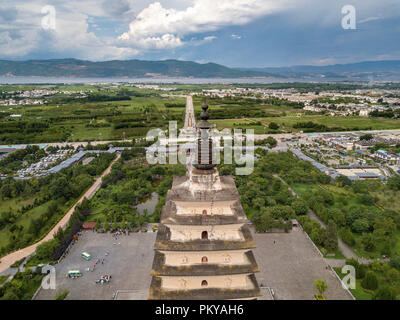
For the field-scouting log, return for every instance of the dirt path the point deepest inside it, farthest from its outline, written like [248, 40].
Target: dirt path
[9, 259]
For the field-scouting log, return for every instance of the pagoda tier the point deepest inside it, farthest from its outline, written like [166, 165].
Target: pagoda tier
[205, 238]
[233, 287]
[203, 263]
[203, 185]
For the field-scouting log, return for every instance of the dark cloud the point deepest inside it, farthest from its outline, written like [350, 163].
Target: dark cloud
[8, 15]
[116, 7]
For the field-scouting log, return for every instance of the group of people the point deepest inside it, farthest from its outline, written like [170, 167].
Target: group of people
[98, 261]
[120, 232]
[104, 278]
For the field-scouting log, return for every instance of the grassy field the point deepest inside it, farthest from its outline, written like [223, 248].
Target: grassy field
[388, 199]
[287, 122]
[15, 204]
[25, 219]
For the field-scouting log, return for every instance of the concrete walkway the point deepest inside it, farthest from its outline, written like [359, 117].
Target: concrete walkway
[335, 263]
[11, 258]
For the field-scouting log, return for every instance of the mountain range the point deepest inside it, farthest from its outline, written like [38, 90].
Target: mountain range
[370, 70]
[367, 70]
[121, 68]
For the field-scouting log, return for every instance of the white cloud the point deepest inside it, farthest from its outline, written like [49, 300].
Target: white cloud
[162, 25]
[71, 37]
[210, 38]
[165, 41]
[155, 21]
[369, 19]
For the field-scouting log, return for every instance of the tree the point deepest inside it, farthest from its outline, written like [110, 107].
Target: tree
[370, 281]
[395, 261]
[272, 143]
[299, 207]
[342, 181]
[386, 293]
[347, 237]
[60, 187]
[393, 275]
[331, 240]
[317, 235]
[360, 225]
[273, 126]
[46, 249]
[258, 203]
[366, 137]
[321, 286]
[368, 242]
[338, 216]
[267, 222]
[366, 199]
[394, 182]
[385, 225]
[123, 225]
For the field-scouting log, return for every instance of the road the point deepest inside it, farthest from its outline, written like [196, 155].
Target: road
[64, 144]
[11, 258]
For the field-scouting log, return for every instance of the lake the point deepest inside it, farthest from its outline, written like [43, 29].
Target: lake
[66, 80]
[149, 204]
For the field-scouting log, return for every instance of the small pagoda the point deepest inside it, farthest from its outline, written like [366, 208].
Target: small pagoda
[203, 248]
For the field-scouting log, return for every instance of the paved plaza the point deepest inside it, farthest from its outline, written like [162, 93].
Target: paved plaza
[289, 267]
[129, 262]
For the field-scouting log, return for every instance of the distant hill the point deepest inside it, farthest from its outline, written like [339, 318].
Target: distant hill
[374, 70]
[126, 68]
[363, 71]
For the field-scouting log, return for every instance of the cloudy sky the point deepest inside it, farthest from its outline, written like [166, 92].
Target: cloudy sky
[236, 33]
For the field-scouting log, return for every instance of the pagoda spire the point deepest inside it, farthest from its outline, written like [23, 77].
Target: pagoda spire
[205, 152]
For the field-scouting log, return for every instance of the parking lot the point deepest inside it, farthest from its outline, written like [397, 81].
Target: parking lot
[289, 266]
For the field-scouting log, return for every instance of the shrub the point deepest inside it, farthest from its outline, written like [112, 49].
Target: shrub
[62, 295]
[359, 268]
[370, 281]
[321, 286]
[106, 226]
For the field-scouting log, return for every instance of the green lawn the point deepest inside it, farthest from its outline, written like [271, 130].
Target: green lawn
[15, 204]
[338, 255]
[23, 220]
